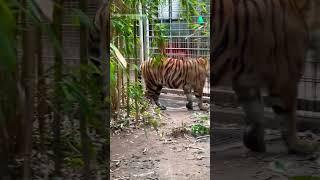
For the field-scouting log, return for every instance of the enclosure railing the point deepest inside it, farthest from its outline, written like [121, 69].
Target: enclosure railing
[183, 41]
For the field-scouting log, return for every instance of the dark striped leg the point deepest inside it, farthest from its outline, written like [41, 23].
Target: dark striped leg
[252, 104]
[188, 93]
[157, 102]
[156, 99]
[198, 94]
[153, 93]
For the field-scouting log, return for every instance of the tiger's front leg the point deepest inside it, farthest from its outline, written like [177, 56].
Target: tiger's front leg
[253, 107]
[156, 99]
[157, 102]
[153, 93]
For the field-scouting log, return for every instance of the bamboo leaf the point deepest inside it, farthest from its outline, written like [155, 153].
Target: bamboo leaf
[53, 38]
[34, 10]
[119, 56]
[7, 25]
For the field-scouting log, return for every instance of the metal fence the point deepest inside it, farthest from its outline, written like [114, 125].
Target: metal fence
[308, 88]
[183, 41]
[71, 35]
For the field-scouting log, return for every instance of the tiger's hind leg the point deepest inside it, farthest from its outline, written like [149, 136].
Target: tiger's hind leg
[285, 113]
[198, 93]
[251, 101]
[188, 93]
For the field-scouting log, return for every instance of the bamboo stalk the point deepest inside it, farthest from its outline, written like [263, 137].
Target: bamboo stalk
[85, 140]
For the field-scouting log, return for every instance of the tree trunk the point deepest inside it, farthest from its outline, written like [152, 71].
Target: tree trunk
[105, 47]
[42, 107]
[29, 37]
[135, 47]
[28, 73]
[128, 83]
[9, 99]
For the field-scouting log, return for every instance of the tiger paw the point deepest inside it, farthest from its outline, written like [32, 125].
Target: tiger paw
[253, 139]
[303, 147]
[204, 108]
[189, 106]
[162, 107]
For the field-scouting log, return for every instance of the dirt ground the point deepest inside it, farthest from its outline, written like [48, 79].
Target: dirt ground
[234, 161]
[136, 155]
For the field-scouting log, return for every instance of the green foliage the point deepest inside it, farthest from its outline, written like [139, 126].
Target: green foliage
[199, 129]
[193, 8]
[74, 162]
[278, 166]
[152, 117]
[136, 94]
[7, 43]
[124, 25]
[113, 64]
[136, 91]
[82, 95]
[8, 62]
[201, 117]
[160, 39]
[116, 53]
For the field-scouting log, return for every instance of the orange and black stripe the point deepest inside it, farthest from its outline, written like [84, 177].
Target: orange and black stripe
[254, 35]
[174, 74]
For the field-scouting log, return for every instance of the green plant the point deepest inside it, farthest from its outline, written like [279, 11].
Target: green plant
[74, 162]
[201, 117]
[192, 8]
[160, 32]
[199, 129]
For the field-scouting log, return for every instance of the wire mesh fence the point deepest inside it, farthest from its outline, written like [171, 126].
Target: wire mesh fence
[185, 40]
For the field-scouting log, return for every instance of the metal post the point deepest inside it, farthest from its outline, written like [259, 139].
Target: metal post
[141, 34]
[146, 40]
[170, 28]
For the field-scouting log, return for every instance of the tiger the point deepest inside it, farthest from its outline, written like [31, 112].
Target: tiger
[189, 74]
[100, 23]
[94, 40]
[261, 45]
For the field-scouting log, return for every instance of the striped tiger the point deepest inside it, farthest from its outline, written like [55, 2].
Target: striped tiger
[261, 44]
[95, 50]
[176, 74]
[96, 45]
